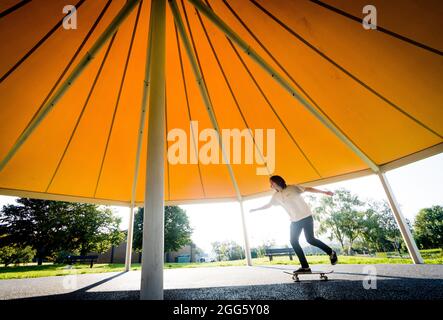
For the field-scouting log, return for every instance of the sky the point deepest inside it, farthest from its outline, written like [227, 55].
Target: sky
[416, 186]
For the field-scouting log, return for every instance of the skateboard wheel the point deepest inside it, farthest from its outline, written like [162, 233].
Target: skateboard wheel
[324, 278]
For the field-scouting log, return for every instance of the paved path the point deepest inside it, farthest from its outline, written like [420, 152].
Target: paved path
[258, 282]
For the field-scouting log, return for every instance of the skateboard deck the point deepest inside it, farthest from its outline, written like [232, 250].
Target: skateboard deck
[295, 275]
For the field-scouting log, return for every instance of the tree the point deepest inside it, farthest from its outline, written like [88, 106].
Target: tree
[428, 227]
[16, 254]
[53, 226]
[390, 229]
[352, 226]
[381, 232]
[372, 236]
[137, 241]
[235, 251]
[92, 230]
[261, 249]
[349, 220]
[227, 250]
[220, 251]
[341, 217]
[177, 229]
[35, 223]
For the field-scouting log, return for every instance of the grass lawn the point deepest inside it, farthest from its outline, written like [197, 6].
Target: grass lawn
[47, 270]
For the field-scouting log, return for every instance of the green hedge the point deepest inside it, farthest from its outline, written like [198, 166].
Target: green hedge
[426, 254]
[432, 253]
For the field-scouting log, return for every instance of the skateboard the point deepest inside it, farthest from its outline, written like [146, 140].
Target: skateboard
[323, 277]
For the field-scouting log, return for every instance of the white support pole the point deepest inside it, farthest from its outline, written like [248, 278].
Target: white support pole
[209, 108]
[129, 239]
[245, 235]
[401, 222]
[141, 129]
[153, 222]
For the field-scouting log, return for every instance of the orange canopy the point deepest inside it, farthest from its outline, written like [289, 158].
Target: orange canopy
[383, 88]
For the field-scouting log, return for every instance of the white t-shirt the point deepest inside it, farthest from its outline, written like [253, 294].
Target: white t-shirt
[290, 198]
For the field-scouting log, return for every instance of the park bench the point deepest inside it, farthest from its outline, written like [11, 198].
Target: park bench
[73, 259]
[271, 252]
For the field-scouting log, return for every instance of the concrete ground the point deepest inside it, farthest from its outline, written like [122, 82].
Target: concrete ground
[348, 282]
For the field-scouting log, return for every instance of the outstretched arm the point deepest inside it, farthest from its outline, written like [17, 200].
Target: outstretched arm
[266, 206]
[313, 190]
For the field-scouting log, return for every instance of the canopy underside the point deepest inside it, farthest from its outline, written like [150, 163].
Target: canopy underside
[383, 88]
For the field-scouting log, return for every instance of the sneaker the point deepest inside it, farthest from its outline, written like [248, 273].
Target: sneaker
[303, 270]
[333, 258]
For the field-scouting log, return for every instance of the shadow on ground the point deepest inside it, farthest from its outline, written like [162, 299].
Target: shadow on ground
[387, 289]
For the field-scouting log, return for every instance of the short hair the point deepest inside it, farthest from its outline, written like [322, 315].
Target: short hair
[279, 181]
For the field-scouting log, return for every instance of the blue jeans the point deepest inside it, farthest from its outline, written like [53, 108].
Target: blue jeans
[306, 225]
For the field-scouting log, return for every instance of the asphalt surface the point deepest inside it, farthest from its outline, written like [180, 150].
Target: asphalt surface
[348, 282]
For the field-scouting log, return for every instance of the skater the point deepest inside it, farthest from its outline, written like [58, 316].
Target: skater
[288, 196]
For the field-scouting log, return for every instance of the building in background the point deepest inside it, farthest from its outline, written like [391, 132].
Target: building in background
[186, 254]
